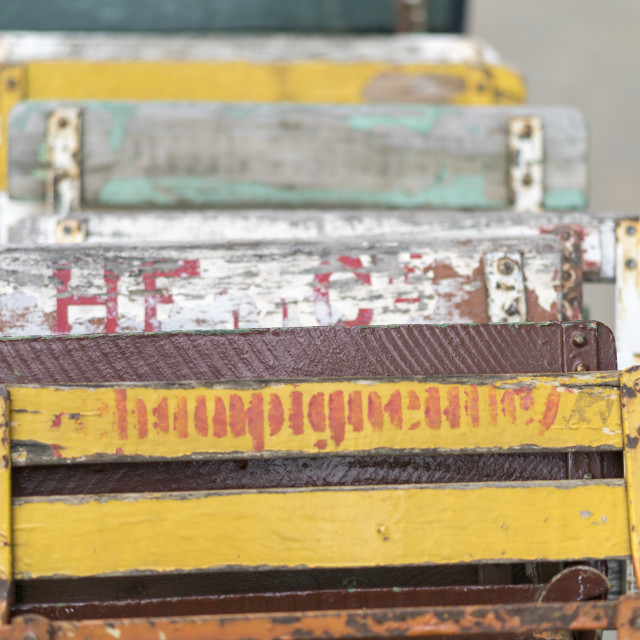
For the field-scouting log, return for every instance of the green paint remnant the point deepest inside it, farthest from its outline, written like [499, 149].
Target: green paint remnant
[42, 153]
[421, 122]
[452, 192]
[561, 199]
[121, 114]
[397, 589]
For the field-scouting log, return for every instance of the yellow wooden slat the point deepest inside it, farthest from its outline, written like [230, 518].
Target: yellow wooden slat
[500, 413]
[5, 511]
[630, 398]
[331, 527]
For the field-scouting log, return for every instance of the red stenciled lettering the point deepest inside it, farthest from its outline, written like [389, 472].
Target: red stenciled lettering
[161, 413]
[276, 414]
[64, 300]
[493, 406]
[181, 418]
[321, 298]
[374, 411]
[508, 402]
[452, 412]
[550, 410]
[296, 414]
[413, 405]
[337, 421]
[432, 408]
[474, 405]
[237, 421]
[151, 272]
[356, 419]
[200, 418]
[526, 398]
[121, 412]
[316, 414]
[219, 418]
[141, 419]
[255, 420]
[394, 409]
[57, 421]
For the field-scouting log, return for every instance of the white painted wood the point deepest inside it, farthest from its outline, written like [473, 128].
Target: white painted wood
[24, 46]
[628, 292]
[179, 155]
[505, 286]
[526, 169]
[85, 289]
[220, 226]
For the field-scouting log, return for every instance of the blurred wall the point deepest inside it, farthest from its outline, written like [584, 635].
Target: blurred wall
[584, 53]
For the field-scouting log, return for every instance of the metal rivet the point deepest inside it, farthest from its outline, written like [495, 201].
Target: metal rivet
[505, 267]
[579, 340]
[511, 309]
[527, 131]
[587, 476]
[11, 84]
[580, 367]
[527, 180]
[68, 230]
[62, 123]
[630, 263]
[630, 230]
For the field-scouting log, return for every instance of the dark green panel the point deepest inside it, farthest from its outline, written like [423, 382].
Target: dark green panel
[199, 15]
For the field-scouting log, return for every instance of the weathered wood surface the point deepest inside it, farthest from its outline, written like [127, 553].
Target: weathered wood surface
[23, 47]
[315, 417]
[76, 289]
[596, 230]
[199, 155]
[360, 352]
[368, 526]
[225, 15]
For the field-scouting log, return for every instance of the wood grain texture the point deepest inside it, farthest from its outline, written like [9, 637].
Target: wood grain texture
[216, 226]
[54, 425]
[82, 289]
[87, 536]
[221, 16]
[199, 155]
[360, 352]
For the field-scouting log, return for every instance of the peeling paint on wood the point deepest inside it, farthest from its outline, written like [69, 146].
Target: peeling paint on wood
[628, 291]
[94, 289]
[199, 155]
[595, 230]
[496, 414]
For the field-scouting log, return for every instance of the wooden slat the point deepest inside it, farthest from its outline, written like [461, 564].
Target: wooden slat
[186, 155]
[502, 413]
[215, 226]
[6, 537]
[80, 289]
[85, 536]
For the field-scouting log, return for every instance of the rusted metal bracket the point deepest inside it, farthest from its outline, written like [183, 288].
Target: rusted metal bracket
[411, 15]
[64, 149]
[628, 292]
[526, 164]
[505, 286]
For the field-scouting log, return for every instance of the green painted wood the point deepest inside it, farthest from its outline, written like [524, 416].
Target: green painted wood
[199, 15]
[167, 154]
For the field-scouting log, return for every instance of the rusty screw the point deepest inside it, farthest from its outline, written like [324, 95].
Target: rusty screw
[527, 131]
[580, 367]
[62, 123]
[511, 309]
[11, 84]
[67, 229]
[527, 180]
[630, 230]
[587, 476]
[630, 263]
[579, 340]
[506, 267]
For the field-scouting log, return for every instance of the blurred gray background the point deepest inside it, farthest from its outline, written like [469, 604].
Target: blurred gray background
[584, 53]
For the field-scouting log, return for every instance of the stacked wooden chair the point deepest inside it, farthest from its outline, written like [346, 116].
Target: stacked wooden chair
[268, 200]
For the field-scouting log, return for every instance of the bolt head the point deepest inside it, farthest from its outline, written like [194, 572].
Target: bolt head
[527, 180]
[579, 340]
[511, 309]
[580, 367]
[527, 131]
[630, 263]
[506, 267]
[630, 230]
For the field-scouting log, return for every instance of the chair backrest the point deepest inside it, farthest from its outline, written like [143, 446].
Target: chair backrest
[91, 289]
[201, 155]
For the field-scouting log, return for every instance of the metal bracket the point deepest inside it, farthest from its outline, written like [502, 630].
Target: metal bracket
[505, 286]
[628, 292]
[570, 238]
[64, 149]
[526, 164]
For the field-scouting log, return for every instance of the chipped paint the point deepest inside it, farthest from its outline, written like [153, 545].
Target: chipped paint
[628, 291]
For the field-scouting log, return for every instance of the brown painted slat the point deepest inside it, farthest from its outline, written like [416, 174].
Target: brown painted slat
[411, 350]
